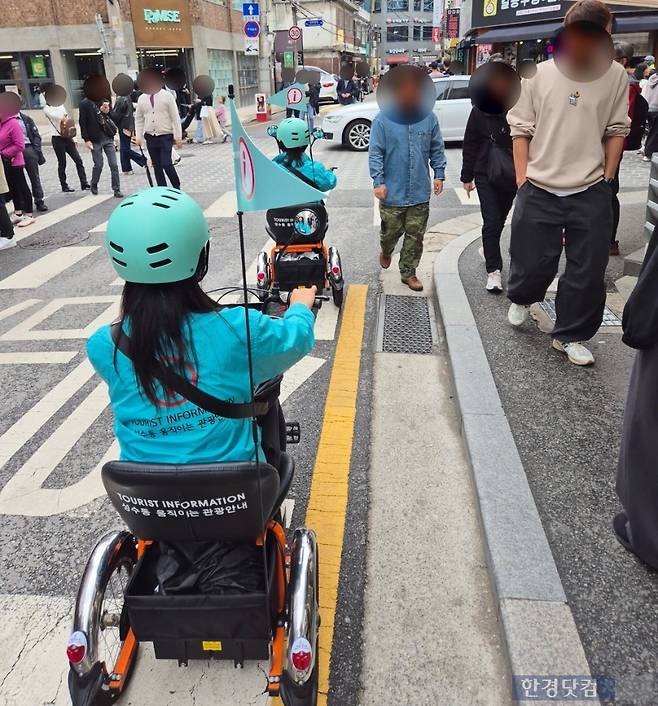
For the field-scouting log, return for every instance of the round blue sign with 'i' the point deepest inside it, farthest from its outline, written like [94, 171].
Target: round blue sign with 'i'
[251, 29]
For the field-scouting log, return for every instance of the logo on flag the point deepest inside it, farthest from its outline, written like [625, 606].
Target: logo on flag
[292, 97]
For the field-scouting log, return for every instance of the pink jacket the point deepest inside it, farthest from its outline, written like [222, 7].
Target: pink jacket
[221, 113]
[12, 141]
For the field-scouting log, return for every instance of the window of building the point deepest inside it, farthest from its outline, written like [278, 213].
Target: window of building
[247, 79]
[423, 5]
[397, 34]
[26, 73]
[397, 5]
[377, 6]
[220, 70]
[422, 33]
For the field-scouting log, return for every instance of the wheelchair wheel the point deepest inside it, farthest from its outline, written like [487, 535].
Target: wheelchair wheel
[305, 695]
[100, 615]
[337, 295]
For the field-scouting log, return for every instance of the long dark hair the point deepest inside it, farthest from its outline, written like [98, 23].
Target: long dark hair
[157, 316]
[293, 154]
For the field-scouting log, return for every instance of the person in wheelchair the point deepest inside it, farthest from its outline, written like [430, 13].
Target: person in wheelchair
[293, 137]
[158, 242]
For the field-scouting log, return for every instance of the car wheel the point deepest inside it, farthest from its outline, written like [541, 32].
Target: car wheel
[357, 135]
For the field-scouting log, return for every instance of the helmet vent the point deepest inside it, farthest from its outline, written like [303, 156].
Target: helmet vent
[120, 262]
[156, 248]
[126, 203]
[161, 205]
[160, 263]
[116, 247]
[171, 198]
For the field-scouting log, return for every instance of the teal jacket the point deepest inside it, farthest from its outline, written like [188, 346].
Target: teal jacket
[177, 431]
[324, 178]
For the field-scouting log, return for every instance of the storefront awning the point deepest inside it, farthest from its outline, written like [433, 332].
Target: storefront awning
[518, 33]
[400, 59]
[636, 23]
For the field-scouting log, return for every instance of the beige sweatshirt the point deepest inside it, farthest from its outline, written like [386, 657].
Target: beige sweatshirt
[159, 119]
[567, 123]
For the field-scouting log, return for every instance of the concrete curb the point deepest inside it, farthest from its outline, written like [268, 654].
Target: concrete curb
[537, 624]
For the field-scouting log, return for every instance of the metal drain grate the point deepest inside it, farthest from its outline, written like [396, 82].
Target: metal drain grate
[609, 316]
[405, 325]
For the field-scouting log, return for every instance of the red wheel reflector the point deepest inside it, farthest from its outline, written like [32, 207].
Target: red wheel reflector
[301, 660]
[77, 647]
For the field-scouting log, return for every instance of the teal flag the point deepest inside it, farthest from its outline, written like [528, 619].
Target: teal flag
[260, 183]
[293, 97]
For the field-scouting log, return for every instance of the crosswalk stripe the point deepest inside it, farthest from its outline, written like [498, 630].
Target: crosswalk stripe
[225, 206]
[10, 311]
[100, 228]
[59, 214]
[45, 268]
[36, 357]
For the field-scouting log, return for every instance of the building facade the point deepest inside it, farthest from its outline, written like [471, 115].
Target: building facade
[65, 41]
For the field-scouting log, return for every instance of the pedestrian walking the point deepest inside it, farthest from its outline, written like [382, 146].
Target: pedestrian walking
[6, 226]
[446, 63]
[222, 117]
[98, 130]
[493, 175]
[63, 141]
[636, 527]
[12, 146]
[313, 95]
[209, 124]
[637, 112]
[650, 94]
[123, 116]
[34, 158]
[568, 138]
[157, 122]
[400, 156]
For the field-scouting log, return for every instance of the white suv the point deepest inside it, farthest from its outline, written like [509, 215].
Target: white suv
[349, 125]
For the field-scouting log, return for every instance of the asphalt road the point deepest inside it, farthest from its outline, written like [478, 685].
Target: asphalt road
[567, 424]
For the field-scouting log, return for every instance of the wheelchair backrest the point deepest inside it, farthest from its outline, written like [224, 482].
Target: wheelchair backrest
[312, 223]
[196, 502]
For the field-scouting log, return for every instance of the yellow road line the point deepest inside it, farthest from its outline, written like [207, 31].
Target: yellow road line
[327, 505]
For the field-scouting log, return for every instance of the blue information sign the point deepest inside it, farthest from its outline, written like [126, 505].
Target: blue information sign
[251, 29]
[316, 22]
[250, 9]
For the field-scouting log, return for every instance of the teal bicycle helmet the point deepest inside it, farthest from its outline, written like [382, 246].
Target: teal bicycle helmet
[156, 236]
[293, 132]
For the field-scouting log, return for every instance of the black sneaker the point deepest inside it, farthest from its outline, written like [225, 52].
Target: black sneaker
[118, 195]
[42, 207]
[84, 187]
[68, 190]
[94, 190]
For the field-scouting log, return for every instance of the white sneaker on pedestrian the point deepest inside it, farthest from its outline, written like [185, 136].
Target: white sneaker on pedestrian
[26, 221]
[646, 159]
[130, 173]
[576, 352]
[494, 282]
[6, 243]
[517, 314]
[16, 218]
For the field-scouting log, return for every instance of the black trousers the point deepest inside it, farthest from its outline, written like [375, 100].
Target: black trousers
[62, 147]
[159, 147]
[495, 204]
[616, 206]
[32, 169]
[18, 188]
[540, 221]
[6, 228]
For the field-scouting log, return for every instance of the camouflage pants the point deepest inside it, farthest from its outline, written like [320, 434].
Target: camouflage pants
[410, 221]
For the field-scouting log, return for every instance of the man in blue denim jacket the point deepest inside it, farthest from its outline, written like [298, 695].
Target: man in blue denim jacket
[400, 155]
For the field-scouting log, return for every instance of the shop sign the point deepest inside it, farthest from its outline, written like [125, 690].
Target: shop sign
[161, 23]
[38, 66]
[452, 23]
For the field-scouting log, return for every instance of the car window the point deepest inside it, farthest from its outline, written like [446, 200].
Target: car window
[442, 88]
[458, 89]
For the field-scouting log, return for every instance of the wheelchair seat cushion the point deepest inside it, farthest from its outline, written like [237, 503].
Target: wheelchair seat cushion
[229, 502]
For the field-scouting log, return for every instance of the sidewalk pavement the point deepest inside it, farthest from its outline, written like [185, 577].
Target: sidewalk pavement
[430, 623]
[553, 431]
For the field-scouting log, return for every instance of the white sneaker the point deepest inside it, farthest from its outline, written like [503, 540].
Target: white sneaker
[646, 159]
[26, 221]
[517, 314]
[6, 243]
[481, 253]
[576, 352]
[16, 218]
[494, 282]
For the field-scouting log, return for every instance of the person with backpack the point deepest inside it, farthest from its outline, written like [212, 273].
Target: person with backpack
[98, 130]
[63, 140]
[34, 158]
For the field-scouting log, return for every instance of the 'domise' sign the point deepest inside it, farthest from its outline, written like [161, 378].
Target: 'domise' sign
[161, 23]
